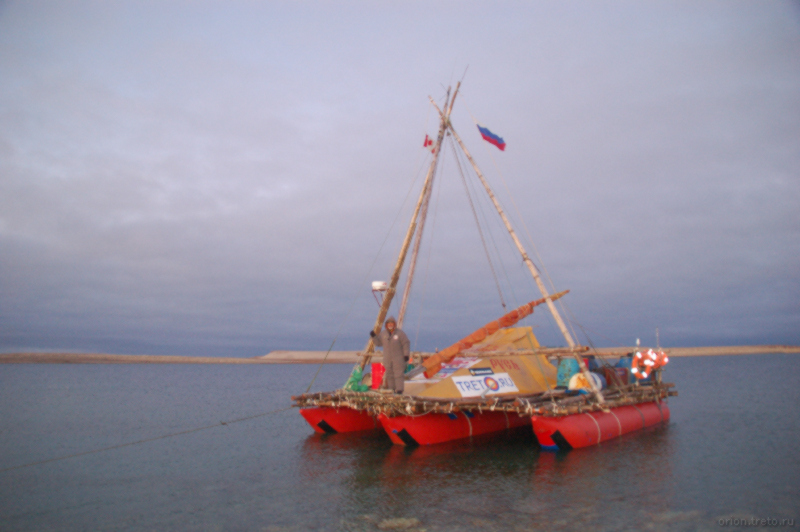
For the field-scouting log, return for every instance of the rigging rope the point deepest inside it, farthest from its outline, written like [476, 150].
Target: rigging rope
[594, 349]
[146, 440]
[477, 222]
[521, 220]
[584, 329]
[498, 222]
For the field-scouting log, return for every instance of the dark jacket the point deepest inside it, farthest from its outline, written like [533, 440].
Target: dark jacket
[395, 346]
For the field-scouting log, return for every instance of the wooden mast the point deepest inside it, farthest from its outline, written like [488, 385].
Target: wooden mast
[528, 262]
[424, 211]
[392, 289]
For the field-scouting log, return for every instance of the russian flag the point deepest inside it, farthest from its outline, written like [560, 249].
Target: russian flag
[491, 138]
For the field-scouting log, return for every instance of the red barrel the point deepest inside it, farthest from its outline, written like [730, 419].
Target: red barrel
[378, 370]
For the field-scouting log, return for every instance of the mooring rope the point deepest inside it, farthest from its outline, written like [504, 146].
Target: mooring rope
[146, 440]
[310, 384]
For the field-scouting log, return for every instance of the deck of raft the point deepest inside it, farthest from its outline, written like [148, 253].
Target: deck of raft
[337, 357]
[552, 403]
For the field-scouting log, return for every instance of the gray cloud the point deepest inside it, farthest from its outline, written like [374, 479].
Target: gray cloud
[218, 178]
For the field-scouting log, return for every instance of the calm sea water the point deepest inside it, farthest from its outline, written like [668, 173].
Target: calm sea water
[730, 451]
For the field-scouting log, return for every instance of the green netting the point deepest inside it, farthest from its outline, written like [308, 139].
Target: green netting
[354, 382]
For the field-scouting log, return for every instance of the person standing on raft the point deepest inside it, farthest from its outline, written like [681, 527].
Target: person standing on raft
[396, 350]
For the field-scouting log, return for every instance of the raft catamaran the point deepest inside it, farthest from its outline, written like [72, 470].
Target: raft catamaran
[498, 378]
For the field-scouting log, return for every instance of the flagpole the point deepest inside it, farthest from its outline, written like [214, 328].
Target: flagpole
[424, 211]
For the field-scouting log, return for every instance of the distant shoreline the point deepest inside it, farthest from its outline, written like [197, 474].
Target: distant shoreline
[335, 357]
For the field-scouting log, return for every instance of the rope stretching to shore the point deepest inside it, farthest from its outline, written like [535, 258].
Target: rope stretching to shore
[146, 440]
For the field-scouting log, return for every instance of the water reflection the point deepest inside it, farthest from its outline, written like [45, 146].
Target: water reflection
[730, 450]
[498, 481]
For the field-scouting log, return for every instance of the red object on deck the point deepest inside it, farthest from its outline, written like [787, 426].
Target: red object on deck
[429, 429]
[328, 419]
[581, 430]
[615, 376]
[378, 370]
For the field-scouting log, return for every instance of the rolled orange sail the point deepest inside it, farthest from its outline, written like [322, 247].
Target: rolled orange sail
[434, 364]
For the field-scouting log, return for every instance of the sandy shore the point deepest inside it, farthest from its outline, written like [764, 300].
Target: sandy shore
[335, 357]
[102, 358]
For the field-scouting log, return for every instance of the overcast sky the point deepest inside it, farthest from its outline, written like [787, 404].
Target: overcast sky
[219, 178]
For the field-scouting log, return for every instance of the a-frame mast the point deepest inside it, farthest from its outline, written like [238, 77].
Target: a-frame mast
[392, 289]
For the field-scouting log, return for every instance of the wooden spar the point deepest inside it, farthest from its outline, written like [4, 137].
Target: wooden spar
[424, 211]
[433, 364]
[392, 289]
[546, 351]
[528, 262]
[412, 265]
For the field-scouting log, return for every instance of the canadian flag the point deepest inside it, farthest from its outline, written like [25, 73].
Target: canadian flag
[428, 142]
